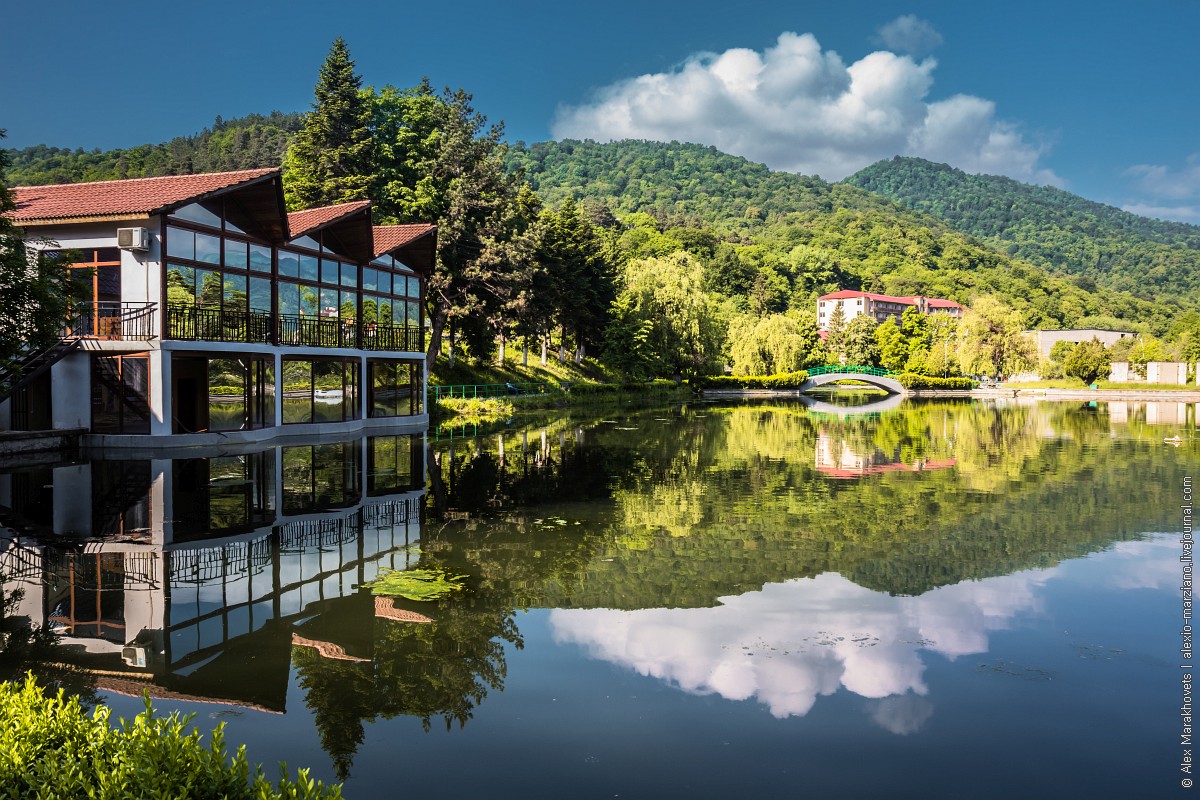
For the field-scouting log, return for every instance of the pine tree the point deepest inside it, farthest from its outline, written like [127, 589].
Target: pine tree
[330, 160]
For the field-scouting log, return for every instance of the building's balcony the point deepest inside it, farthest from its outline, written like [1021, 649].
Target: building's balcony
[113, 320]
[192, 323]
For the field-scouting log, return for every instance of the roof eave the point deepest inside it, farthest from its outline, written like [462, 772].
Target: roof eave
[46, 221]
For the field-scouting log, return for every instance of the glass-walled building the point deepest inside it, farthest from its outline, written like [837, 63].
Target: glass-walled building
[210, 312]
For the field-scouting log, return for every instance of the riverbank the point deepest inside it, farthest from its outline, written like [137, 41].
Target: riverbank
[1177, 395]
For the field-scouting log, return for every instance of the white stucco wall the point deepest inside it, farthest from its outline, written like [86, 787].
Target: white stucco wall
[70, 393]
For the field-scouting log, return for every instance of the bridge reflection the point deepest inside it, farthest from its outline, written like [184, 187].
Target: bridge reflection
[889, 402]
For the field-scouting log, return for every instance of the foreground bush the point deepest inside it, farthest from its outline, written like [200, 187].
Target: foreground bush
[911, 380]
[49, 748]
[783, 380]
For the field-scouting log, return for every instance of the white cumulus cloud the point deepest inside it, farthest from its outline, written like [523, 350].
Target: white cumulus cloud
[793, 642]
[797, 107]
[1165, 190]
[909, 34]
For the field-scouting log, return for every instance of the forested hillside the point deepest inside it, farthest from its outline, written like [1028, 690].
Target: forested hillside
[249, 142]
[787, 237]
[1050, 227]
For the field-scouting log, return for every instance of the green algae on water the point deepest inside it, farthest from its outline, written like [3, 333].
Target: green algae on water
[421, 585]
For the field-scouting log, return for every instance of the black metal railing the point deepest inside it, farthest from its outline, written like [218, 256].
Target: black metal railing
[317, 331]
[196, 323]
[388, 337]
[113, 320]
[200, 323]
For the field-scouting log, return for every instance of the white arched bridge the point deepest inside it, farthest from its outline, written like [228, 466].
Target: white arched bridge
[880, 378]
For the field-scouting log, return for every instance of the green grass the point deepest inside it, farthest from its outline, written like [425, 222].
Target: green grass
[465, 372]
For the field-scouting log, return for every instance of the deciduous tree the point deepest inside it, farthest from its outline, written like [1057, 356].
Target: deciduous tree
[993, 340]
[35, 294]
[1088, 361]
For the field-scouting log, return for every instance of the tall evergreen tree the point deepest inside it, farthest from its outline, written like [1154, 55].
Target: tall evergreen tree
[330, 160]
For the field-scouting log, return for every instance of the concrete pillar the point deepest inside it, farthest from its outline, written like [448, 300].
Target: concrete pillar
[161, 400]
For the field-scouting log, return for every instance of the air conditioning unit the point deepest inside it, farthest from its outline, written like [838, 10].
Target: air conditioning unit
[135, 656]
[133, 238]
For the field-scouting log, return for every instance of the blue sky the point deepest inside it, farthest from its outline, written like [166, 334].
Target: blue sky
[1098, 98]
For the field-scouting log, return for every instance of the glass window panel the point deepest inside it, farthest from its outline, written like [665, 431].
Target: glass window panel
[398, 312]
[329, 271]
[265, 385]
[297, 392]
[289, 298]
[309, 269]
[306, 241]
[260, 258]
[181, 284]
[370, 280]
[385, 311]
[414, 315]
[208, 248]
[289, 264]
[383, 261]
[329, 302]
[349, 306]
[235, 254]
[328, 391]
[229, 226]
[349, 275]
[414, 288]
[309, 300]
[385, 283]
[370, 310]
[235, 291]
[227, 394]
[350, 373]
[260, 295]
[208, 287]
[181, 243]
[194, 212]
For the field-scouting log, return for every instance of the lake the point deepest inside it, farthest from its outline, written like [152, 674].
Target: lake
[937, 599]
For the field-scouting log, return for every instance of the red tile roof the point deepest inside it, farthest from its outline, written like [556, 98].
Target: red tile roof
[911, 300]
[307, 221]
[848, 293]
[390, 237]
[122, 198]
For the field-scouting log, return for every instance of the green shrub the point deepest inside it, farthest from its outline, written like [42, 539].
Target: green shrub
[911, 380]
[49, 748]
[783, 380]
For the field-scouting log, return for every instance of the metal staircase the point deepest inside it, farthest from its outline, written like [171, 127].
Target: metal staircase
[31, 364]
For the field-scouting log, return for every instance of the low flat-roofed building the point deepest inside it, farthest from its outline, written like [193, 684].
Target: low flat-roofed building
[1045, 340]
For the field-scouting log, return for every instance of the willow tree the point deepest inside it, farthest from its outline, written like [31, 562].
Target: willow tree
[664, 323]
[772, 344]
[993, 341]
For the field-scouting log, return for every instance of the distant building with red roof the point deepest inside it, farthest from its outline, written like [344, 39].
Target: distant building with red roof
[880, 306]
[214, 314]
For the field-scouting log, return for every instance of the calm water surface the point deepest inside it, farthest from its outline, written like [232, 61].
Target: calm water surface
[930, 600]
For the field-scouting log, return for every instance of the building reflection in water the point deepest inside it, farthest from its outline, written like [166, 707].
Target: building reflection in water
[841, 458]
[161, 572]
